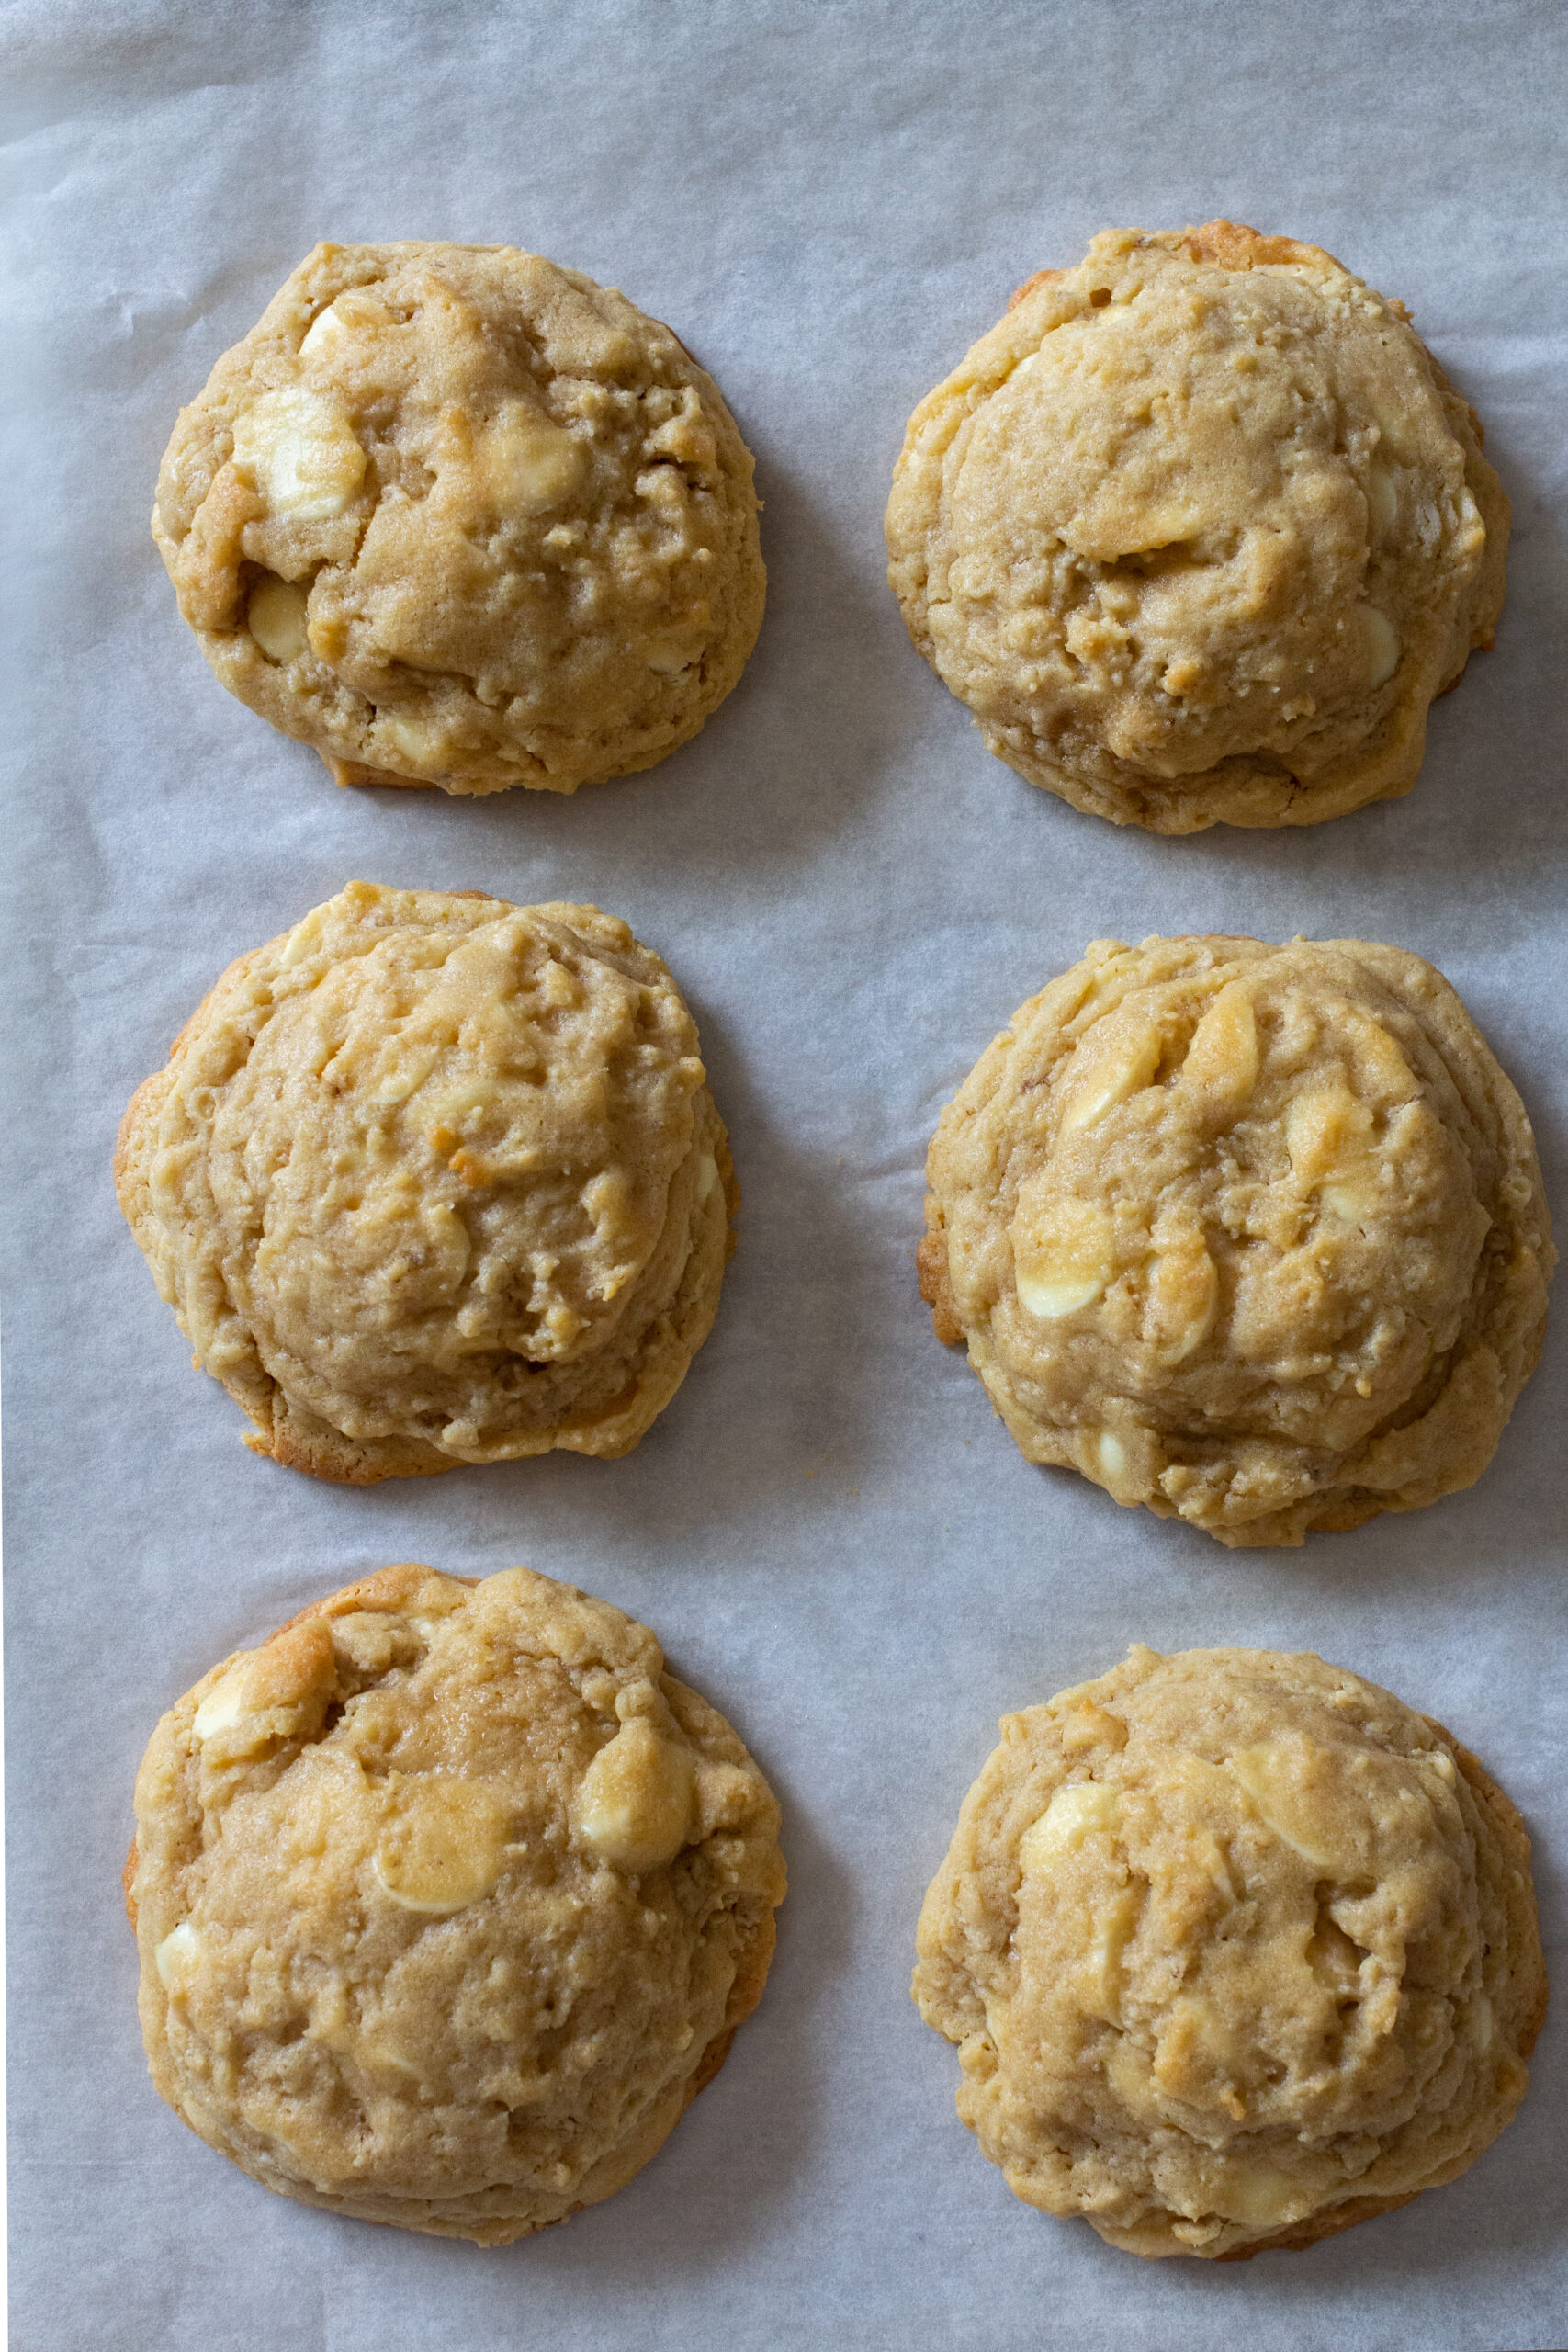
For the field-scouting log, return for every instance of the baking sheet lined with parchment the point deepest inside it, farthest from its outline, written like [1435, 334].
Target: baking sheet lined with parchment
[832, 1534]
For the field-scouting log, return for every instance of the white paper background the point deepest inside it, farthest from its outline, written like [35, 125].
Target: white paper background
[829, 1530]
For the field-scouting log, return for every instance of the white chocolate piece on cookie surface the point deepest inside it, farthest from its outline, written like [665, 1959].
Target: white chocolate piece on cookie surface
[1236, 1949]
[1253, 1236]
[299, 449]
[456, 516]
[476, 1855]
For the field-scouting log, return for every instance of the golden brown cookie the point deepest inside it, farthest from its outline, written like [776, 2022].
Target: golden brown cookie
[455, 516]
[1237, 1950]
[1198, 532]
[1251, 1235]
[449, 1899]
[431, 1179]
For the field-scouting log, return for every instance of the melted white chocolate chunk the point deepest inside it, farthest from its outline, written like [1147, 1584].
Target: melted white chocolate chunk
[1121, 1068]
[225, 1703]
[299, 451]
[1382, 645]
[1249, 2191]
[176, 1956]
[275, 618]
[634, 1807]
[1074, 1813]
[527, 464]
[1224, 1056]
[444, 1847]
[1062, 1255]
[1291, 1794]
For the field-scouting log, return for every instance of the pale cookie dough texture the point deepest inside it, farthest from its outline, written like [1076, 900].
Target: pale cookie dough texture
[449, 1899]
[1236, 1949]
[432, 1178]
[1198, 532]
[1254, 1235]
[455, 516]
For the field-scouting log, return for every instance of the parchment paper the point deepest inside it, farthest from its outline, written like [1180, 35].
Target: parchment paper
[831, 1532]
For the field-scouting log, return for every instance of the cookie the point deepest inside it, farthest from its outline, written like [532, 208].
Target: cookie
[458, 517]
[1198, 532]
[431, 1179]
[1250, 1235]
[1237, 1950]
[448, 1900]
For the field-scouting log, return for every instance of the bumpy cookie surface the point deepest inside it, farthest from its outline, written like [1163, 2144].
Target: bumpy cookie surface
[1236, 1951]
[455, 516]
[432, 1178]
[1198, 532]
[1255, 1234]
[448, 1900]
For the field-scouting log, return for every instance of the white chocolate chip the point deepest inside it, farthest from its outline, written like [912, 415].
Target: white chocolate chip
[1184, 1291]
[1111, 1454]
[176, 1956]
[1383, 500]
[1298, 1803]
[1051, 1295]
[299, 449]
[1350, 1204]
[707, 1177]
[1246, 2189]
[302, 941]
[1121, 1068]
[322, 333]
[1113, 1924]
[1061, 1257]
[527, 464]
[1471, 535]
[355, 307]
[412, 741]
[275, 618]
[444, 1847]
[1223, 1056]
[1074, 1813]
[1087, 1725]
[634, 1806]
[278, 1693]
[1326, 1131]
[1382, 645]
[225, 1703]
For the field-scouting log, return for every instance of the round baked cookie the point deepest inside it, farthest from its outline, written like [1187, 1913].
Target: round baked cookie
[1251, 1235]
[431, 1179]
[1198, 532]
[455, 516]
[1237, 1950]
[449, 1899]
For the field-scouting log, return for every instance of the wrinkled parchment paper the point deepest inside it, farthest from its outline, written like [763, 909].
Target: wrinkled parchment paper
[831, 1532]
